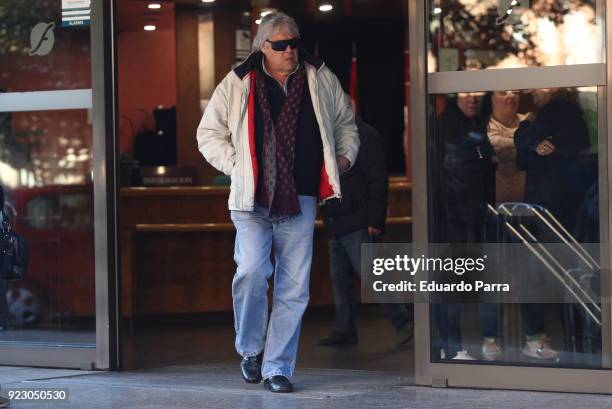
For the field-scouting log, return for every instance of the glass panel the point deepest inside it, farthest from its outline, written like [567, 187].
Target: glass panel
[534, 151]
[466, 34]
[37, 53]
[46, 171]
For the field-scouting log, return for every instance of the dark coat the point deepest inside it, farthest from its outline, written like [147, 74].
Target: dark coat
[462, 162]
[364, 188]
[557, 181]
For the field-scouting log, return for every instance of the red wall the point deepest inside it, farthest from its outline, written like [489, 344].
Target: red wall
[147, 78]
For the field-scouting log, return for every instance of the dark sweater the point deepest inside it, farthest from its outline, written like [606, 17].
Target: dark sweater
[309, 147]
[364, 188]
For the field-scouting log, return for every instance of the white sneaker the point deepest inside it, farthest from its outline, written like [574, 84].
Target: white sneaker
[540, 348]
[490, 350]
[463, 355]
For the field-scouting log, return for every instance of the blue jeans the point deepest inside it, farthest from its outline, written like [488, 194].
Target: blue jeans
[292, 238]
[345, 260]
[491, 316]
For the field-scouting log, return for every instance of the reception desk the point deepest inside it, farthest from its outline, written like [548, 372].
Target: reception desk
[177, 248]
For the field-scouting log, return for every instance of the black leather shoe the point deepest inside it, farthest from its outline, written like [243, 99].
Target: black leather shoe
[337, 340]
[278, 384]
[251, 368]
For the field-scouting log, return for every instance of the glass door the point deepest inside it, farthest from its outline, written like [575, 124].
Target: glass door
[55, 141]
[510, 153]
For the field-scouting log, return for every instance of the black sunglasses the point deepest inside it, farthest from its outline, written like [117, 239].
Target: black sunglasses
[293, 43]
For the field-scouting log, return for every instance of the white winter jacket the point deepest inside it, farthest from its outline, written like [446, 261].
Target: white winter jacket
[226, 134]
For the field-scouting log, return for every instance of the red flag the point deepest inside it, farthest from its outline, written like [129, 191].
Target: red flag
[353, 87]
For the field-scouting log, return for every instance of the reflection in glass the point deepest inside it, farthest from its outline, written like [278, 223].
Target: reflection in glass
[512, 33]
[59, 60]
[45, 157]
[536, 152]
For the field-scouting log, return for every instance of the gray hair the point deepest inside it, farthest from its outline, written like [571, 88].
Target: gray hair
[269, 24]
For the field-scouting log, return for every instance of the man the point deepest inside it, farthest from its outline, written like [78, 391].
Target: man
[281, 127]
[359, 218]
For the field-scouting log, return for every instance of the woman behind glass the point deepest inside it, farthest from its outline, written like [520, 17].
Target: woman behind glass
[501, 110]
[503, 121]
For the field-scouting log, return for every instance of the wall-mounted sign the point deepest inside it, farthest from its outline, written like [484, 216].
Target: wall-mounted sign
[42, 39]
[243, 44]
[76, 13]
[168, 176]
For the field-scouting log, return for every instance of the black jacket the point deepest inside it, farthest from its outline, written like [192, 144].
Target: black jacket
[557, 181]
[463, 176]
[364, 188]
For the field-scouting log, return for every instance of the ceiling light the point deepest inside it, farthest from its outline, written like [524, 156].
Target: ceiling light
[326, 7]
[154, 5]
[437, 10]
[149, 27]
[208, 1]
[258, 21]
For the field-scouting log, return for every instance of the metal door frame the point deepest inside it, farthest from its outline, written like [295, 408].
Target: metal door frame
[424, 83]
[105, 354]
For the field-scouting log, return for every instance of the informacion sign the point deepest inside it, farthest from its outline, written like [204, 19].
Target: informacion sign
[76, 13]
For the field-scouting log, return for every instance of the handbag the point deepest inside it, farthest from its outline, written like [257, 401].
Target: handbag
[13, 252]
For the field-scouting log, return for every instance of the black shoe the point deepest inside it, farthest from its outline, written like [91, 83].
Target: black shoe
[251, 368]
[278, 384]
[337, 340]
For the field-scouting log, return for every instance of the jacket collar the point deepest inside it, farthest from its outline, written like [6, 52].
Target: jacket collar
[255, 58]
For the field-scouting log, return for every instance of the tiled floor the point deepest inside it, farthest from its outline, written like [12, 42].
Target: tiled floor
[195, 366]
[207, 343]
[220, 386]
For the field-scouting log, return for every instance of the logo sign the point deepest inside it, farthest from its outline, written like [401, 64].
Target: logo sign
[76, 13]
[42, 39]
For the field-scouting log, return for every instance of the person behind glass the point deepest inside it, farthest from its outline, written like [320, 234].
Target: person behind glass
[548, 145]
[501, 107]
[500, 110]
[281, 126]
[467, 173]
[4, 309]
[359, 218]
